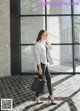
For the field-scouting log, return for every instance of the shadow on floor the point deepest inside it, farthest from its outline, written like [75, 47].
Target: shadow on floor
[61, 80]
[38, 109]
[69, 100]
[19, 88]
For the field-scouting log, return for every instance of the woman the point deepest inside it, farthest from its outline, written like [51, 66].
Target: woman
[42, 59]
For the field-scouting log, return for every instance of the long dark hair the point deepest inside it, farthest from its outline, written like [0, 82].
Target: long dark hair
[39, 35]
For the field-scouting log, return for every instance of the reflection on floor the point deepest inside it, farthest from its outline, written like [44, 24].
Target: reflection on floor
[66, 89]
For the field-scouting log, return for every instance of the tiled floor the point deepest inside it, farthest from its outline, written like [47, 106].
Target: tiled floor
[66, 89]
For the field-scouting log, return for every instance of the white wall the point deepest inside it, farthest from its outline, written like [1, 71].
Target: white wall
[4, 38]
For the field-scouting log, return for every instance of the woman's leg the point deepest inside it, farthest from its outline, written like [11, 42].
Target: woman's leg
[37, 93]
[47, 74]
[45, 71]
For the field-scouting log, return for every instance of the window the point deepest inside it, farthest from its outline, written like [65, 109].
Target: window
[62, 23]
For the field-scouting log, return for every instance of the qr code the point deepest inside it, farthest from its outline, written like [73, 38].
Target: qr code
[6, 104]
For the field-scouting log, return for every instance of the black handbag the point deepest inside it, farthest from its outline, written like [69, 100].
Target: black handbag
[38, 85]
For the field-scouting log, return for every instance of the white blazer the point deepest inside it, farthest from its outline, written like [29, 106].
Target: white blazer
[40, 53]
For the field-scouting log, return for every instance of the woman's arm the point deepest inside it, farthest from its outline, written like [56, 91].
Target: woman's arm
[39, 69]
[47, 42]
[37, 58]
[48, 45]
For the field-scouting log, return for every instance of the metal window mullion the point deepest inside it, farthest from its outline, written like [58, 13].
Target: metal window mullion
[19, 9]
[73, 37]
[45, 16]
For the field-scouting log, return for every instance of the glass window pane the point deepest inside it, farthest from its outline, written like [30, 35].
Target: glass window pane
[77, 29]
[58, 7]
[31, 7]
[62, 58]
[77, 57]
[77, 7]
[59, 29]
[27, 59]
[30, 27]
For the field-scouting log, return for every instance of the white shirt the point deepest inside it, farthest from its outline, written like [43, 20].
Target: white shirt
[40, 53]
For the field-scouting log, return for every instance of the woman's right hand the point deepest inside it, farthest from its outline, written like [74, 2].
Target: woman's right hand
[40, 71]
